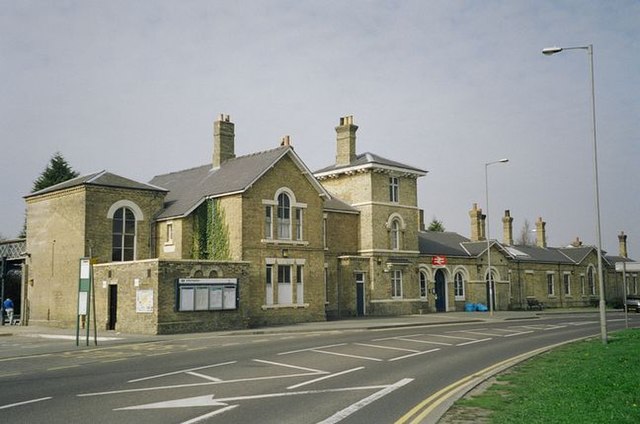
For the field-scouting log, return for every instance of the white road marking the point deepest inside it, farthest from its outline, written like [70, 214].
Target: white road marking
[292, 366]
[181, 371]
[424, 341]
[413, 354]
[453, 337]
[311, 348]
[518, 334]
[210, 414]
[346, 355]
[26, 402]
[340, 415]
[315, 380]
[386, 347]
[473, 342]
[206, 377]
[395, 337]
[482, 334]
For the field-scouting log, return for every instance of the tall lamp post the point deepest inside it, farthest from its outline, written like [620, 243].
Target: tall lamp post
[486, 192]
[553, 50]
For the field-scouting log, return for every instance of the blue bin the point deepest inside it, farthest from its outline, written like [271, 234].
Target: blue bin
[481, 308]
[470, 307]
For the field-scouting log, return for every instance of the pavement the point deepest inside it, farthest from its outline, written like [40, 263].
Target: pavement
[44, 339]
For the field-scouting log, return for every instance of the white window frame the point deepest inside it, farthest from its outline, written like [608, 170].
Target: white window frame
[551, 284]
[268, 222]
[394, 189]
[299, 284]
[423, 285]
[269, 284]
[566, 282]
[396, 284]
[458, 285]
[299, 227]
[591, 281]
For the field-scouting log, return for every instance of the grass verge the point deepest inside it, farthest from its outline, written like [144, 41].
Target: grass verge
[584, 382]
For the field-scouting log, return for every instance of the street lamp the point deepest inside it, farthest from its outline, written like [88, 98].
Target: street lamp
[553, 50]
[486, 191]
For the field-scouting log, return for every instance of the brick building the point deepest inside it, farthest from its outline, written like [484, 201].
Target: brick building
[260, 239]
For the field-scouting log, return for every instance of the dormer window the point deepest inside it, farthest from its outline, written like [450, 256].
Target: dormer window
[393, 189]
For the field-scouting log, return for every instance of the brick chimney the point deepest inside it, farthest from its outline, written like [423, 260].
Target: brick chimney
[507, 228]
[577, 242]
[223, 140]
[541, 235]
[622, 241]
[285, 141]
[477, 223]
[346, 143]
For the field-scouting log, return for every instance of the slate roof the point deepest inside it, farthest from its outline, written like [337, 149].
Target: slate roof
[103, 179]
[335, 204]
[442, 243]
[367, 159]
[189, 188]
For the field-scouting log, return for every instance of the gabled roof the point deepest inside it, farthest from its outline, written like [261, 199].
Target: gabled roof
[369, 160]
[337, 205]
[189, 188]
[442, 243]
[103, 179]
[577, 254]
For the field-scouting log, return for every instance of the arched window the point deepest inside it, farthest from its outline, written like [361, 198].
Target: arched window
[395, 235]
[423, 285]
[458, 285]
[591, 280]
[123, 235]
[284, 216]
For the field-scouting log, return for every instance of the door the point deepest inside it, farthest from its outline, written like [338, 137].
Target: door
[113, 307]
[441, 291]
[360, 294]
[491, 292]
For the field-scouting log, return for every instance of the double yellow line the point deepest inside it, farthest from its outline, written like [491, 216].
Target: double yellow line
[422, 410]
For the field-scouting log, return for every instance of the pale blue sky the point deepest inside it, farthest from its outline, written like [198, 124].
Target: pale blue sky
[134, 87]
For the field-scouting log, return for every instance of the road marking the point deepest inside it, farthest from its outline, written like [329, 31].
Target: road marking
[210, 414]
[395, 337]
[315, 380]
[386, 347]
[518, 334]
[418, 413]
[482, 334]
[347, 355]
[26, 357]
[182, 386]
[311, 348]
[292, 366]
[340, 415]
[424, 341]
[474, 342]
[453, 337]
[26, 402]
[181, 371]
[413, 354]
[62, 367]
[206, 377]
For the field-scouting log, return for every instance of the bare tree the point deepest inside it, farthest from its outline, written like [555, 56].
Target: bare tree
[525, 238]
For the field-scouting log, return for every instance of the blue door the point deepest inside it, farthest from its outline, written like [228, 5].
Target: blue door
[441, 291]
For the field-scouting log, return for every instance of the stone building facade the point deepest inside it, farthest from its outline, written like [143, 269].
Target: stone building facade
[259, 239]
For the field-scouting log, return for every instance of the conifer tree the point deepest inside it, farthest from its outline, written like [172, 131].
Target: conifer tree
[57, 171]
[436, 225]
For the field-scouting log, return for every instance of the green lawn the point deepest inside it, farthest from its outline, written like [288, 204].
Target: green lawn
[584, 382]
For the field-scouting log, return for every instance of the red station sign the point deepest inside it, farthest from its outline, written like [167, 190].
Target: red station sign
[439, 261]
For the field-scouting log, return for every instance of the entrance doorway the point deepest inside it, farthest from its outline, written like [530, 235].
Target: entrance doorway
[491, 282]
[113, 307]
[360, 294]
[441, 291]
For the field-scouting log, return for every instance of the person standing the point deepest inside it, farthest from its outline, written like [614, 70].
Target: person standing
[8, 307]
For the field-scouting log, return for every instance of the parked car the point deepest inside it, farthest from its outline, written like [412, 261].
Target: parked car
[633, 303]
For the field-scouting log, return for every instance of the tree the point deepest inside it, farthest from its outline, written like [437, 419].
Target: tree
[57, 171]
[436, 225]
[525, 235]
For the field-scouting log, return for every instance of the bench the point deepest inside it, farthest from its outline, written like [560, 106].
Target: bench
[534, 304]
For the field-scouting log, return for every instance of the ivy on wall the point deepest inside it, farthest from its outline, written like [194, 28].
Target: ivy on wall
[210, 232]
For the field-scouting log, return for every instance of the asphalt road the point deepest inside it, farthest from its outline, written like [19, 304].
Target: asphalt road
[347, 376]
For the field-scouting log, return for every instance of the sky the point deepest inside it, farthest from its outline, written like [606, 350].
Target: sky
[133, 87]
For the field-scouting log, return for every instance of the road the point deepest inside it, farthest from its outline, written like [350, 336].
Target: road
[316, 377]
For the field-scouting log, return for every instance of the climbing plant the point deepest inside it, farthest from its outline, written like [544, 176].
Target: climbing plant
[210, 232]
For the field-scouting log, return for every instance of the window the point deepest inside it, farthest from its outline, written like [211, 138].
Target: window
[423, 285]
[298, 224]
[123, 235]
[566, 282]
[550, 285]
[395, 235]
[269, 283]
[284, 216]
[458, 286]
[324, 232]
[169, 233]
[268, 222]
[583, 289]
[591, 281]
[396, 284]
[326, 284]
[393, 189]
[299, 284]
[285, 294]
